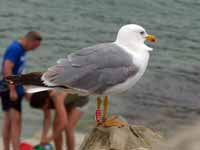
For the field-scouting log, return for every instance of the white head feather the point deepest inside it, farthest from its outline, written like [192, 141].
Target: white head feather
[132, 36]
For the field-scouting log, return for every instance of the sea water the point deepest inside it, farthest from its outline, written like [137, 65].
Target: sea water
[167, 96]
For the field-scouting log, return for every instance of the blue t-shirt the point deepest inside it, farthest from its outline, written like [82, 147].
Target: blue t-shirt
[16, 54]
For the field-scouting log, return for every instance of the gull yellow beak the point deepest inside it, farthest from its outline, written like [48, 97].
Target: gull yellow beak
[150, 38]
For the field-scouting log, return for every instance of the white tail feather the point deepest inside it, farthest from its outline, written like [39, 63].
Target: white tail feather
[37, 89]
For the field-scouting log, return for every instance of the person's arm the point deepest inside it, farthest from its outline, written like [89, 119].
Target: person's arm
[7, 71]
[61, 115]
[27, 95]
[46, 124]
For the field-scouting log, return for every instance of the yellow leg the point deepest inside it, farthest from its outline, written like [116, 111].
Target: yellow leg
[113, 120]
[98, 102]
[105, 108]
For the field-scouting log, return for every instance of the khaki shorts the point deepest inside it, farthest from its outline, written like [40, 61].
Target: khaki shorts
[39, 99]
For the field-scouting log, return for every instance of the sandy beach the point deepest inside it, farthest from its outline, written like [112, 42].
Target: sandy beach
[35, 139]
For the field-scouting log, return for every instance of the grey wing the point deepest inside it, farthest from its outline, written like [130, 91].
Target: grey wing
[93, 69]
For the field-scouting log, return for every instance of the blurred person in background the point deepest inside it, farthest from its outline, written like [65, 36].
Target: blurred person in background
[13, 63]
[68, 110]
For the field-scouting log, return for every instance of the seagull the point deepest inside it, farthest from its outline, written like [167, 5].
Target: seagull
[103, 69]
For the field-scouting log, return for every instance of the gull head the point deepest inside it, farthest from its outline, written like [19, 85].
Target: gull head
[133, 36]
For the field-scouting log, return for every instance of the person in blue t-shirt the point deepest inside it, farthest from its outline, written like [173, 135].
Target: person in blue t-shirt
[13, 63]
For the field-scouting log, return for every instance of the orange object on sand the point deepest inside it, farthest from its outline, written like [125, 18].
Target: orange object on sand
[26, 146]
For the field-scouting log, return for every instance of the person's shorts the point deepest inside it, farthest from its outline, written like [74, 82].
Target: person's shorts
[39, 99]
[74, 100]
[7, 103]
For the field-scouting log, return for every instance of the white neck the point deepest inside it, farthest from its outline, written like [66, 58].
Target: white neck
[136, 47]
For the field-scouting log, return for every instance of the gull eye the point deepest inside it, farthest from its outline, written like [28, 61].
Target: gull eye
[142, 32]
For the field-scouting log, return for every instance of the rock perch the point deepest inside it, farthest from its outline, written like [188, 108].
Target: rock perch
[129, 137]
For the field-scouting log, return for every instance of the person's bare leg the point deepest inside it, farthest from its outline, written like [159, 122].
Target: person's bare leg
[58, 141]
[15, 128]
[73, 117]
[6, 131]
[61, 118]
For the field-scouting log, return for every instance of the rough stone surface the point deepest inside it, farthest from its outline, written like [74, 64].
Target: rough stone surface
[130, 137]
